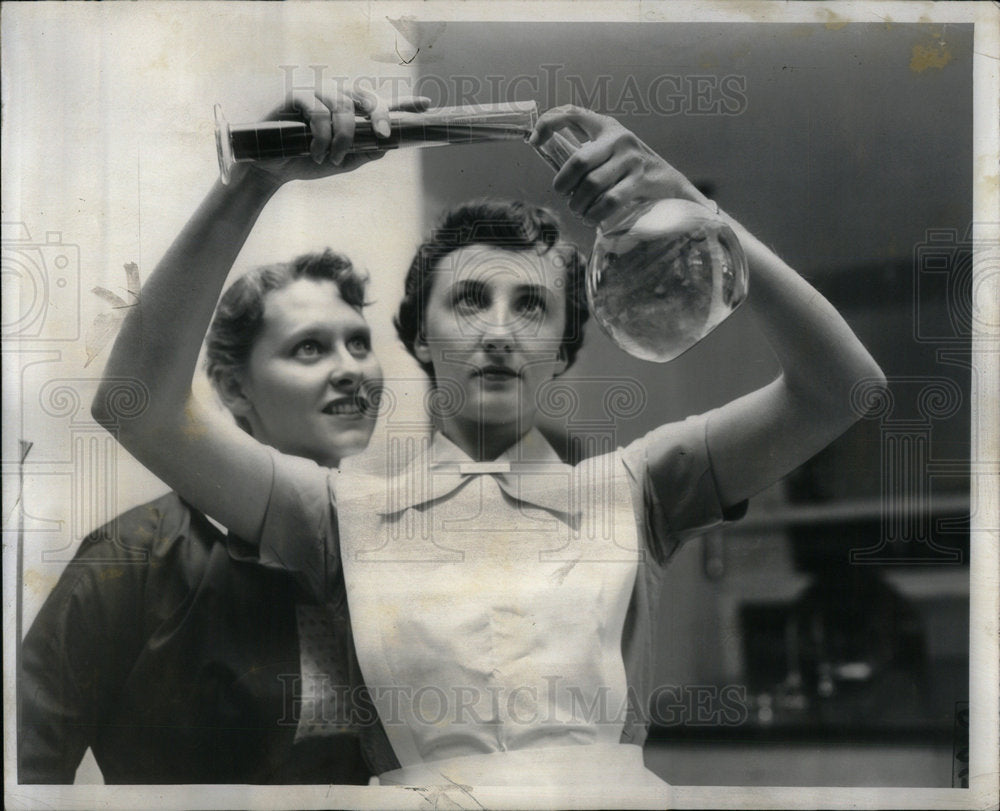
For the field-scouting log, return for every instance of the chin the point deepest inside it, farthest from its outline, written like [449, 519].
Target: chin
[500, 413]
[353, 445]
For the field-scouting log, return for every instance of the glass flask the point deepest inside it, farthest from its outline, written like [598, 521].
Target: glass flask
[663, 273]
[468, 124]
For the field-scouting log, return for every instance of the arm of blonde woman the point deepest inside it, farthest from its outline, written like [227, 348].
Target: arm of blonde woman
[208, 460]
[760, 437]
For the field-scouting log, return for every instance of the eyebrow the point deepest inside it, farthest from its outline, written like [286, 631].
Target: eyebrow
[537, 290]
[319, 328]
[466, 286]
[541, 291]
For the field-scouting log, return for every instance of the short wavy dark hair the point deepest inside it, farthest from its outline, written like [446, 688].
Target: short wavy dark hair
[239, 314]
[507, 224]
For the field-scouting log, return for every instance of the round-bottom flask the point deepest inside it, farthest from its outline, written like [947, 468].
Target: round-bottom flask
[664, 277]
[663, 273]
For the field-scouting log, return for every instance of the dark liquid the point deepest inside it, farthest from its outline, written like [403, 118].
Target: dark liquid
[269, 140]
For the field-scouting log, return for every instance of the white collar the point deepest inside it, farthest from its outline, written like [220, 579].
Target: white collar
[451, 468]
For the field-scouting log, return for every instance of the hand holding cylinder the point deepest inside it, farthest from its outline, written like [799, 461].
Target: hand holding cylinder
[323, 127]
[310, 125]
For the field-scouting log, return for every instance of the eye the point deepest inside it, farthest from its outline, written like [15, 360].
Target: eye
[307, 350]
[469, 298]
[359, 344]
[532, 304]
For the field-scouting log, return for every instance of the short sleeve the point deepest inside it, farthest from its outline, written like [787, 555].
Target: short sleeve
[679, 493]
[299, 531]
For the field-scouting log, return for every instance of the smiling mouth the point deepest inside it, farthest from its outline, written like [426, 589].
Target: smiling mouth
[350, 407]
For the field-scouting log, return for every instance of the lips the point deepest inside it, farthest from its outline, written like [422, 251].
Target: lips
[356, 406]
[496, 372]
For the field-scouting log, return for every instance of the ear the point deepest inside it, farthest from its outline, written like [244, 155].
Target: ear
[562, 363]
[229, 386]
[421, 351]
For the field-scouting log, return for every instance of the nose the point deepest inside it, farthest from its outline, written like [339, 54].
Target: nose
[498, 342]
[345, 370]
[499, 329]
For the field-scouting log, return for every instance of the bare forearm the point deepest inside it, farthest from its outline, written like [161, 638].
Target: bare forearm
[821, 358]
[161, 337]
[763, 435]
[212, 463]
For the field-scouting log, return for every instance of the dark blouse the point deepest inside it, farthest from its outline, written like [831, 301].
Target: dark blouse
[174, 662]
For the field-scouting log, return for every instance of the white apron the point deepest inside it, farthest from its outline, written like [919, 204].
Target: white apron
[488, 629]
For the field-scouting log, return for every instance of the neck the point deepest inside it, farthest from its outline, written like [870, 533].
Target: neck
[482, 442]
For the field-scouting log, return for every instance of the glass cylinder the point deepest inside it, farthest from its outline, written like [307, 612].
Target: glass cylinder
[467, 124]
[662, 274]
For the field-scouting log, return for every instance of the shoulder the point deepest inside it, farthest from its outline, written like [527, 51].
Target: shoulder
[299, 483]
[679, 446]
[676, 460]
[116, 565]
[168, 513]
[671, 453]
[150, 530]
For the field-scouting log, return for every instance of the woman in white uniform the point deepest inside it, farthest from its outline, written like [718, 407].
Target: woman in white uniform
[501, 601]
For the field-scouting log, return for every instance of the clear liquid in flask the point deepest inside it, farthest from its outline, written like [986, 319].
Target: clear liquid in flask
[664, 279]
[663, 273]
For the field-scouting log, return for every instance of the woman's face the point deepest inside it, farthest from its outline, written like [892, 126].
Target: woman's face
[493, 331]
[310, 384]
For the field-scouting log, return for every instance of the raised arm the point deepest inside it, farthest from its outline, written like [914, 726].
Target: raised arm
[758, 438]
[207, 459]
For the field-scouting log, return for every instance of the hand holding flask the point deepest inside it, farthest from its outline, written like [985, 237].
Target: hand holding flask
[663, 273]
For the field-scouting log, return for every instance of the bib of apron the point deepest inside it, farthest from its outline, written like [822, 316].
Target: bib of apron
[484, 623]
